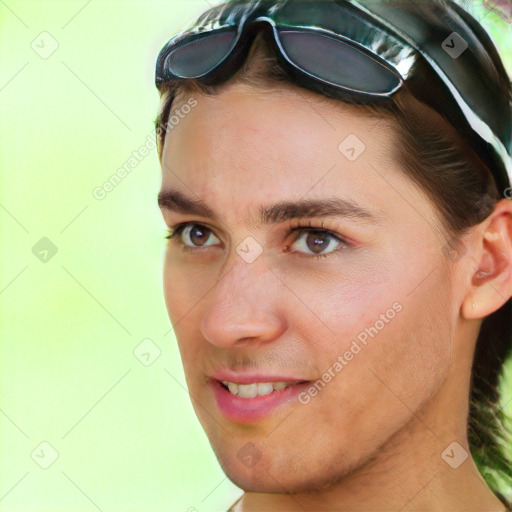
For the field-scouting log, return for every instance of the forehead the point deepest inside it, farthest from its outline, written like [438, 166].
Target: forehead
[247, 114]
[245, 147]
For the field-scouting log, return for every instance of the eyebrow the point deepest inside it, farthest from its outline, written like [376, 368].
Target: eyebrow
[176, 201]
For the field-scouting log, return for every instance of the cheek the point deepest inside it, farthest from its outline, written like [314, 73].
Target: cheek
[184, 286]
[403, 352]
[182, 294]
[394, 340]
[341, 297]
[382, 382]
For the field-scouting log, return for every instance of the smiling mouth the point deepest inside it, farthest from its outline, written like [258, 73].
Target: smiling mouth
[252, 401]
[255, 389]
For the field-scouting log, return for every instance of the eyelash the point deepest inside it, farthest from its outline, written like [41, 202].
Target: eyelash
[175, 232]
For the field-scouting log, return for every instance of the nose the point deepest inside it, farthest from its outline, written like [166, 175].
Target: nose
[244, 306]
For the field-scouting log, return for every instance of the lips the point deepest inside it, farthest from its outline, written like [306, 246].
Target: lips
[251, 398]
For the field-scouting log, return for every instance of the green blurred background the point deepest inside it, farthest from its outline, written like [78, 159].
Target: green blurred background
[88, 365]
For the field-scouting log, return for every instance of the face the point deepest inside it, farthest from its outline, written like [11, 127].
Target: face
[338, 289]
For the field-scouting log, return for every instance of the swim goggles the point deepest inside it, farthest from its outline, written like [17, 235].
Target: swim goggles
[362, 51]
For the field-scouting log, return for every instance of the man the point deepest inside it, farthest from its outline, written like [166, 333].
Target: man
[326, 334]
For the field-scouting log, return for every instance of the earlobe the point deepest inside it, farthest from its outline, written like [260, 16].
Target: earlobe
[491, 278]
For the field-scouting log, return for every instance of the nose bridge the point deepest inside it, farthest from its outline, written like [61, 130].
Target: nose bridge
[242, 287]
[241, 305]
[259, 21]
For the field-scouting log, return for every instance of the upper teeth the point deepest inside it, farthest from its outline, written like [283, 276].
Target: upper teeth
[255, 389]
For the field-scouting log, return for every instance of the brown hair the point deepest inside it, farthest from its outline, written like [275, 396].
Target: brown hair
[457, 181]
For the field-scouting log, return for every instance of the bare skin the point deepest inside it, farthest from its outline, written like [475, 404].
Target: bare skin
[377, 436]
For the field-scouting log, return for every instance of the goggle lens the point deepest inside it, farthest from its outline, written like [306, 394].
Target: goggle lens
[333, 60]
[200, 56]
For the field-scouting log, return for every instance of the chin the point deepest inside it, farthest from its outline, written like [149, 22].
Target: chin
[275, 474]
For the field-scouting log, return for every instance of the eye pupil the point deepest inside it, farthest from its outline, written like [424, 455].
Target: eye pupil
[320, 242]
[199, 233]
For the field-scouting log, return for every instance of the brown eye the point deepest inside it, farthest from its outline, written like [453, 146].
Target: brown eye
[317, 242]
[193, 235]
[198, 234]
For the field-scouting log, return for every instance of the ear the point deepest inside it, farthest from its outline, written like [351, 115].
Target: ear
[491, 264]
